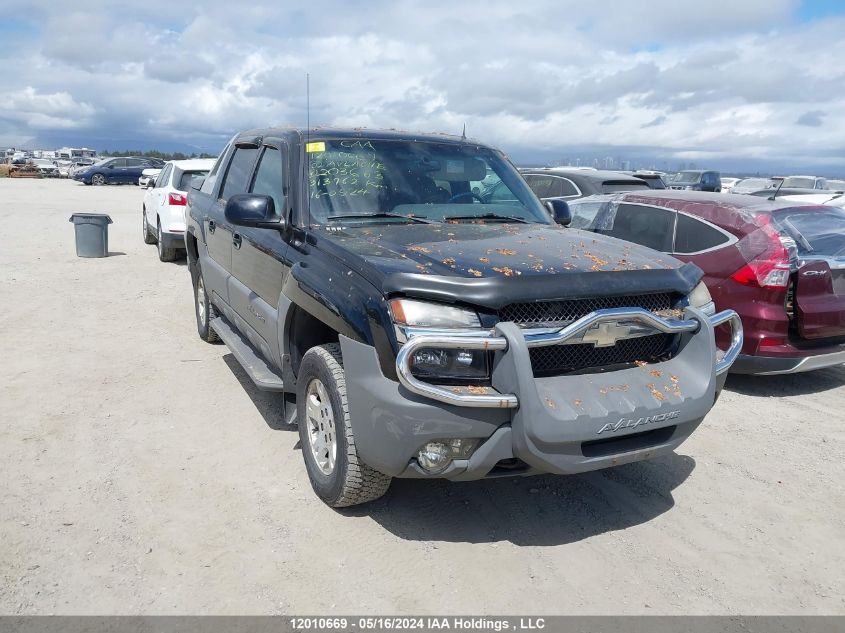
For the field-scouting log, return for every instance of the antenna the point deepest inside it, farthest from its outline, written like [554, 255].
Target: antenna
[307, 142]
[777, 191]
[464, 133]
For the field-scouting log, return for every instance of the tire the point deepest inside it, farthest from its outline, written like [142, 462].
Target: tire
[149, 238]
[98, 180]
[345, 480]
[203, 308]
[164, 254]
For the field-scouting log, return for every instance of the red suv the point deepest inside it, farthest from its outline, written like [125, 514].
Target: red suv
[780, 265]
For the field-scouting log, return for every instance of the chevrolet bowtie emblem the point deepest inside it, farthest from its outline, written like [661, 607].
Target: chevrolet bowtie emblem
[605, 334]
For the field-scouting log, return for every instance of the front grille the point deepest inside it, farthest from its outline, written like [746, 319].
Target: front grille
[560, 313]
[562, 359]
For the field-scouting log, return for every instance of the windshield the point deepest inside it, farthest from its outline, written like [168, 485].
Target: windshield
[816, 230]
[799, 182]
[752, 184]
[687, 176]
[351, 179]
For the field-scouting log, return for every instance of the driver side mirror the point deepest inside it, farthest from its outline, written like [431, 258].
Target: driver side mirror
[560, 211]
[249, 209]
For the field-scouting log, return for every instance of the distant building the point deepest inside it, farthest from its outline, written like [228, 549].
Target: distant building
[75, 152]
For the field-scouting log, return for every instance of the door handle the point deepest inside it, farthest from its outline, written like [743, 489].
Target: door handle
[236, 240]
[211, 226]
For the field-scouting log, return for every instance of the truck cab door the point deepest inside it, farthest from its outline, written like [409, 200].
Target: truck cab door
[218, 232]
[255, 286]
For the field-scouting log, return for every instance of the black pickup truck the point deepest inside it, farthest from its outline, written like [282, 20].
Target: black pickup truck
[425, 315]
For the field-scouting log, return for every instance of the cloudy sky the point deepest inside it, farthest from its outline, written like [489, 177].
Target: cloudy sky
[735, 84]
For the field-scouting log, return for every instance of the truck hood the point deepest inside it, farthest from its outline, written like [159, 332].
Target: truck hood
[475, 261]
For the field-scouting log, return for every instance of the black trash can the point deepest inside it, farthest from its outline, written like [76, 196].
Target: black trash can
[92, 234]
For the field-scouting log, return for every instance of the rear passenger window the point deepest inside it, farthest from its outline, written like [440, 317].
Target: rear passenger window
[540, 185]
[268, 178]
[649, 226]
[563, 187]
[239, 172]
[163, 177]
[693, 236]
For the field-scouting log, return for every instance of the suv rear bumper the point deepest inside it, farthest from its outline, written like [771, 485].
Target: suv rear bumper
[770, 365]
[173, 240]
[563, 424]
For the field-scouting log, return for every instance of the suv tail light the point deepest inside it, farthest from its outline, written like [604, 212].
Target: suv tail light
[177, 199]
[771, 268]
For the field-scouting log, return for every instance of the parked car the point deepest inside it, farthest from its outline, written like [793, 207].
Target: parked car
[163, 211]
[116, 171]
[829, 198]
[780, 192]
[696, 180]
[571, 183]
[777, 263]
[836, 185]
[728, 183]
[753, 185]
[803, 182]
[46, 167]
[64, 167]
[148, 176]
[419, 329]
[653, 180]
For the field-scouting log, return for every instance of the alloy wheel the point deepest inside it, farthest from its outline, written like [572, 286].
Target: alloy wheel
[322, 438]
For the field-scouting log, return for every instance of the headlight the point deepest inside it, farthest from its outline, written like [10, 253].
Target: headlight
[700, 298]
[435, 315]
[434, 364]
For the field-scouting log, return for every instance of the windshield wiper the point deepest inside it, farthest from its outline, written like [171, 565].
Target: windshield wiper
[487, 216]
[368, 216]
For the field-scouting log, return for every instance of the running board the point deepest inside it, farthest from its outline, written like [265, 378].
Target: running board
[262, 374]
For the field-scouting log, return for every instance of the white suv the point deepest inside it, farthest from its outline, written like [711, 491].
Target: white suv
[164, 205]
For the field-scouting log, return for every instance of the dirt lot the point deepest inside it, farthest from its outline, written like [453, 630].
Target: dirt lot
[140, 472]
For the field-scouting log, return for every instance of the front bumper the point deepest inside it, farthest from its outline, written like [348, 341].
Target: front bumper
[563, 424]
[771, 365]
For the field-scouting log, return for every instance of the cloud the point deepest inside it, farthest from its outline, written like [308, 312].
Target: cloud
[811, 119]
[750, 81]
[655, 121]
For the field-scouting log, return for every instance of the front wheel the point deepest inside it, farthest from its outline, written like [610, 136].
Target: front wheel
[98, 179]
[328, 446]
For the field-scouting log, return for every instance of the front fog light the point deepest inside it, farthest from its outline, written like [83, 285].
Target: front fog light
[436, 456]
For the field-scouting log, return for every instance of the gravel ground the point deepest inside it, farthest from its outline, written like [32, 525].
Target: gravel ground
[141, 472]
